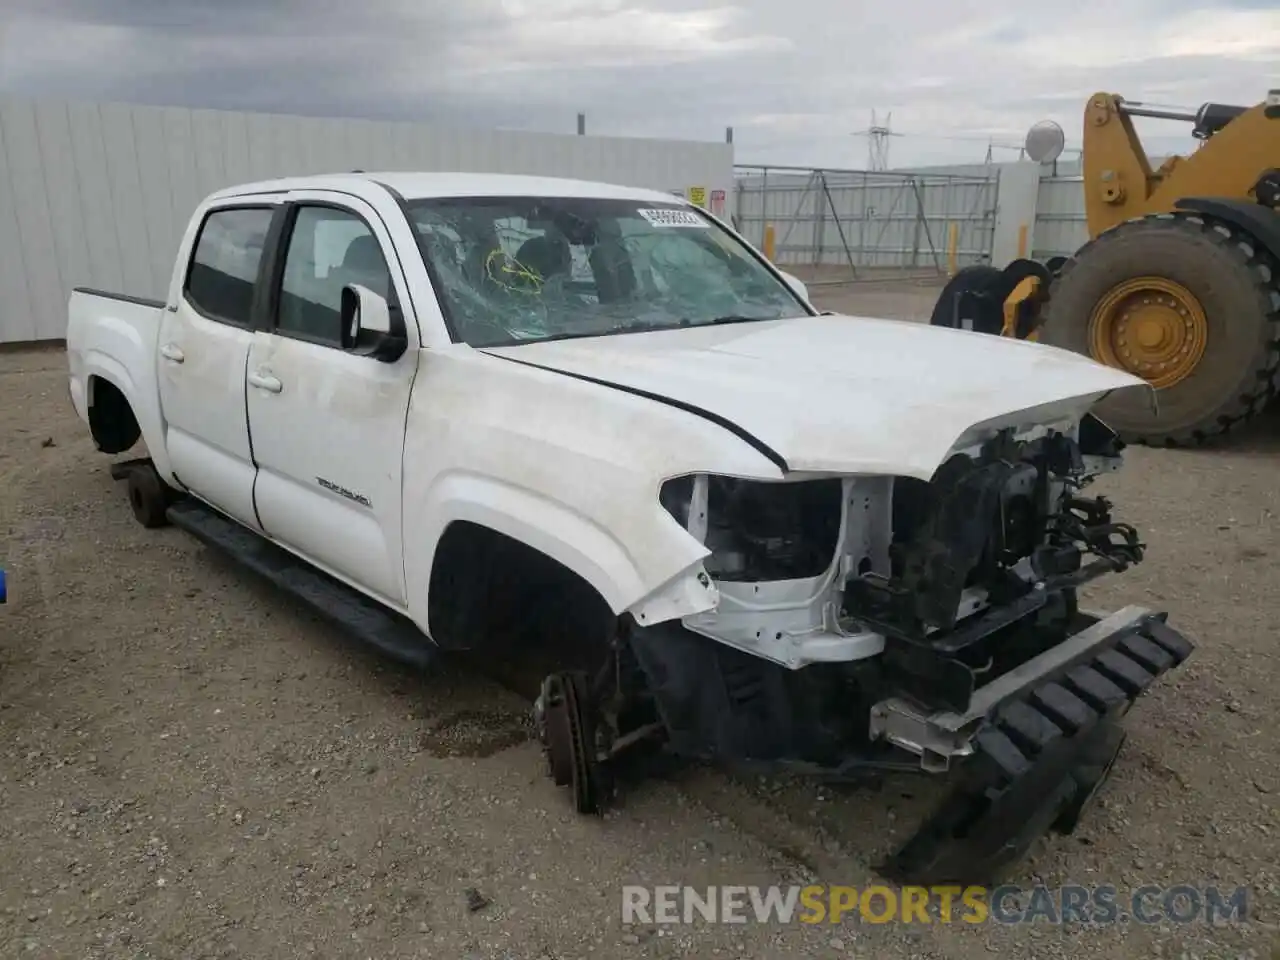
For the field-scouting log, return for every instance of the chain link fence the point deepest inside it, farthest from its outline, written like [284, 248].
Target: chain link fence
[845, 225]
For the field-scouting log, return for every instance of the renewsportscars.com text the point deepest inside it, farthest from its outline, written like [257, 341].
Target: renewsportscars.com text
[1068, 904]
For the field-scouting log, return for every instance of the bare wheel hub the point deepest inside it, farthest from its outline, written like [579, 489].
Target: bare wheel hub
[1152, 327]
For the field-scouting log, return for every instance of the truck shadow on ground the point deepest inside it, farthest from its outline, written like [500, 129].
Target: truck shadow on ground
[475, 705]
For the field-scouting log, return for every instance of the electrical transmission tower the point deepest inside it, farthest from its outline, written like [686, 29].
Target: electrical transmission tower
[878, 141]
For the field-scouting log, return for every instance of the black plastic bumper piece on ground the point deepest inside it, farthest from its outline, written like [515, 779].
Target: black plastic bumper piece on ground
[1038, 760]
[349, 609]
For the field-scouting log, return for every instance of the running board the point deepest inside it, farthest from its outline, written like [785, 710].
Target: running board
[353, 612]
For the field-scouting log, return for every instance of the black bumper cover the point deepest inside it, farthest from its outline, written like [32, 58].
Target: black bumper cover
[1039, 758]
[1046, 734]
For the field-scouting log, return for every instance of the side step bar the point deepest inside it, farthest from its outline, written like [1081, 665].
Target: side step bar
[349, 609]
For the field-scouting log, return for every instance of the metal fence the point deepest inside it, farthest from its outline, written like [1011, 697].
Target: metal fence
[861, 223]
[1060, 228]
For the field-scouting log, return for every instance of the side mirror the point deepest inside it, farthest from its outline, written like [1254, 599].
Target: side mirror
[371, 326]
[797, 286]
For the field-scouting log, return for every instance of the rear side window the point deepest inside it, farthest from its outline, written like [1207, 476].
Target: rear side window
[224, 267]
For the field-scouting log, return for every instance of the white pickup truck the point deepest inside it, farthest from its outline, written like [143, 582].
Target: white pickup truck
[463, 411]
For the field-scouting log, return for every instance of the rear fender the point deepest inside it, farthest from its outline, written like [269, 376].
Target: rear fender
[594, 553]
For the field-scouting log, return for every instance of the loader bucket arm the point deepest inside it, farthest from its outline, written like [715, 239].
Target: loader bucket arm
[1117, 173]
[1121, 185]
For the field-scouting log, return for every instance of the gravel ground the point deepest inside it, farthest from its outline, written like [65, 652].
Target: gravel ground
[191, 766]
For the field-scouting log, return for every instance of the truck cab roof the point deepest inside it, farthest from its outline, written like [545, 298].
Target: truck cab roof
[411, 185]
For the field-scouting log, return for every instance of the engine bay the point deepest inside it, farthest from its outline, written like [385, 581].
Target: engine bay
[1003, 524]
[832, 568]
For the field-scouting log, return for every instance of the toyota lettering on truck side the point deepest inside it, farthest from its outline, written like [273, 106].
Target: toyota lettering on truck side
[464, 411]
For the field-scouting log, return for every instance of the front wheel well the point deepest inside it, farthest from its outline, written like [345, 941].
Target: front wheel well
[489, 591]
[112, 422]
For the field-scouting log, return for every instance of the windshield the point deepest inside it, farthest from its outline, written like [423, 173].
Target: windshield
[516, 269]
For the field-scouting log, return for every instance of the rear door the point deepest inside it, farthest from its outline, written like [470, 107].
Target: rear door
[328, 425]
[203, 349]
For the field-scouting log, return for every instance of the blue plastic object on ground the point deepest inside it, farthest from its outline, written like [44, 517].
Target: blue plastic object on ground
[3, 595]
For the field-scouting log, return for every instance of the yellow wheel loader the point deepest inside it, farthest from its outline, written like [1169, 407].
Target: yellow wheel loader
[1179, 283]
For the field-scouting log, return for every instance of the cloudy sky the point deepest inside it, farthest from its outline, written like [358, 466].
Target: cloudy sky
[796, 79]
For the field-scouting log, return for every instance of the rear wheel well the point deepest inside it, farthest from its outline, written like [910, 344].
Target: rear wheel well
[489, 591]
[111, 420]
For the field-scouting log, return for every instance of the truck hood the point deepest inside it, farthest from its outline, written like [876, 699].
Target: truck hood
[839, 393]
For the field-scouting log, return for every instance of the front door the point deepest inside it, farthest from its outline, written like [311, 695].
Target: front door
[203, 349]
[328, 425]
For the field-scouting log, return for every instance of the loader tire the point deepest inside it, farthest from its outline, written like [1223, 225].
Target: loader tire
[1215, 363]
[1055, 264]
[974, 283]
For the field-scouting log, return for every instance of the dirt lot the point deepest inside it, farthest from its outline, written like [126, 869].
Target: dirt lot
[192, 767]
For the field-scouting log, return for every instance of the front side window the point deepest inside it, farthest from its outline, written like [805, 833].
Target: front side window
[514, 269]
[224, 265]
[328, 249]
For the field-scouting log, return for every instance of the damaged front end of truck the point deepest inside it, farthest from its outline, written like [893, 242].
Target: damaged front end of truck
[888, 623]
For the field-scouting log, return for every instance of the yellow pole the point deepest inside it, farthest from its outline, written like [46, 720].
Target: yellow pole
[953, 248]
[1022, 240]
[768, 242]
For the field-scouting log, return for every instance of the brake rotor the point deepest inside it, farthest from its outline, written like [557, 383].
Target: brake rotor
[587, 773]
[557, 730]
[568, 732]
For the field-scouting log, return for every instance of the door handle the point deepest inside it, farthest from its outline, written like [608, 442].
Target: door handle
[171, 352]
[265, 381]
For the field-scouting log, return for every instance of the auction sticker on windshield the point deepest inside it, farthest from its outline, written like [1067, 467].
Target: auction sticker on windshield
[673, 218]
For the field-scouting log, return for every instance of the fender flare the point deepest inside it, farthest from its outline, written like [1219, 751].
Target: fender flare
[1259, 222]
[102, 365]
[566, 536]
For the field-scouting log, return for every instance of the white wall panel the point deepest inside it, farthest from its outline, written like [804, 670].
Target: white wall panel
[1061, 228]
[15, 298]
[38, 256]
[70, 238]
[96, 217]
[125, 193]
[97, 195]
